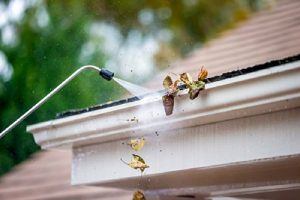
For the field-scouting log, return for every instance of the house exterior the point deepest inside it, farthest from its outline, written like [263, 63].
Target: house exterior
[238, 140]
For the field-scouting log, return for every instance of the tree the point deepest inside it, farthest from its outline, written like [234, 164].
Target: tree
[180, 25]
[42, 58]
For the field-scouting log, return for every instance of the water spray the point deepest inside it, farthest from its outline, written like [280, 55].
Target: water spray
[104, 73]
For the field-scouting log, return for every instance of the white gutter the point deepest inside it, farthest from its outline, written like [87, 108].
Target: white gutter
[272, 89]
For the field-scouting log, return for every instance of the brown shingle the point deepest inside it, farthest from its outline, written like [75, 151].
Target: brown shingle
[271, 34]
[47, 176]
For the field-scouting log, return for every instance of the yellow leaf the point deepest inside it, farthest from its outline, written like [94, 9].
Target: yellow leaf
[167, 82]
[137, 144]
[137, 162]
[202, 74]
[138, 195]
[186, 78]
[138, 158]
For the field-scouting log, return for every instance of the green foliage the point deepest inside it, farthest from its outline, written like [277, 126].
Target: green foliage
[44, 57]
[191, 22]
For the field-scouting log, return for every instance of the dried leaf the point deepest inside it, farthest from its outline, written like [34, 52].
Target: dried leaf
[173, 88]
[202, 74]
[186, 78]
[138, 158]
[168, 102]
[138, 195]
[194, 93]
[137, 144]
[167, 82]
[194, 89]
[137, 162]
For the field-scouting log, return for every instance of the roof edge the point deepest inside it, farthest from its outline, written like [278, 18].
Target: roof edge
[223, 76]
[262, 91]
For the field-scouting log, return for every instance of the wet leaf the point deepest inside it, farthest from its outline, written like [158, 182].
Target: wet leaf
[174, 86]
[137, 144]
[202, 74]
[195, 88]
[168, 102]
[194, 93]
[170, 85]
[137, 162]
[138, 195]
[186, 78]
[167, 82]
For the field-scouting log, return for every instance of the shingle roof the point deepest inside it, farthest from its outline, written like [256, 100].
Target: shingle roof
[272, 34]
[47, 176]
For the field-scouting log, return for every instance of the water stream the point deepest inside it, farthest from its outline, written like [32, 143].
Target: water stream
[134, 89]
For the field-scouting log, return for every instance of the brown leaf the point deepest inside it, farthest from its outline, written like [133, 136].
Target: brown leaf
[138, 195]
[168, 102]
[173, 87]
[167, 82]
[137, 144]
[194, 93]
[202, 74]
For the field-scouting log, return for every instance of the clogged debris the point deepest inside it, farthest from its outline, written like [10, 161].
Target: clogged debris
[137, 162]
[137, 144]
[194, 88]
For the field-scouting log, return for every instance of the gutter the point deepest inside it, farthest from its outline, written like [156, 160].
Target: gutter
[263, 90]
[221, 77]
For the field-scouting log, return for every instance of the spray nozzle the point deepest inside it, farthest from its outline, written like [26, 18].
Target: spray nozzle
[106, 74]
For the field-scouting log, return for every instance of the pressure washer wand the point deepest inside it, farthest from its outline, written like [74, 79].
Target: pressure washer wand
[104, 73]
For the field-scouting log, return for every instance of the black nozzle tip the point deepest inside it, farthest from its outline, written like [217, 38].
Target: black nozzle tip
[106, 74]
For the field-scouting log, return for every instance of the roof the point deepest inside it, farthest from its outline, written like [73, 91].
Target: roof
[272, 34]
[268, 35]
[46, 175]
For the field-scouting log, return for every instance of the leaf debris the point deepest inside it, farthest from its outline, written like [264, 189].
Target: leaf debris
[134, 119]
[168, 99]
[137, 162]
[138, 195]
[194, 88]
[137, 144]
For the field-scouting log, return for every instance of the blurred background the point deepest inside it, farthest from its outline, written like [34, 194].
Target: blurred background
[43, 42]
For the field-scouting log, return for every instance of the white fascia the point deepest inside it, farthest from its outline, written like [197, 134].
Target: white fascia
[263, 91]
